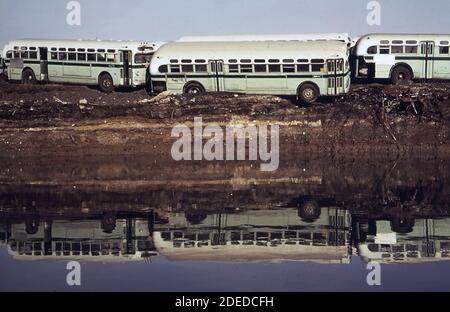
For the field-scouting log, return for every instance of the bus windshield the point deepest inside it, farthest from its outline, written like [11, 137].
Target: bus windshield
[142, 58]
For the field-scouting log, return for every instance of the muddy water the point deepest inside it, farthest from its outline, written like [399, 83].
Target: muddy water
[145, 222]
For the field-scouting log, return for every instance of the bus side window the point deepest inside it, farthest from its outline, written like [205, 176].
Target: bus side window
[384, 50]
[82, 57]
[110, 58]
[317, 65]
[259, 68]
[24, 55]
[233, 68]
[62, 56]
[372, 50]
[201, 68]
[16, 54]
[289, 68]
[246, 68]
[274, 68]
[397, 49]
[101, 57]
[91, 57]
[54, 55]
[72, 56]
[9, 55]
[443, 50]
[174, 68]
[411, 49]
[33, 55]
[187, 68]
[303, 67]
[163, 69]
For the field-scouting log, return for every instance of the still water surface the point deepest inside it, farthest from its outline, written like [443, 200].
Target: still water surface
[312, 226]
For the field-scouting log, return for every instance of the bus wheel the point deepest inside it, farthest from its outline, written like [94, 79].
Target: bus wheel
[28, 77]
[105, 83]
[193, 88]
[309, 211]
[401, 75]
[308, 93]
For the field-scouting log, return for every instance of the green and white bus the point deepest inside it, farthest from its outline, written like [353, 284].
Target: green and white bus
[107, 64]
[305, 69]
[403, 57]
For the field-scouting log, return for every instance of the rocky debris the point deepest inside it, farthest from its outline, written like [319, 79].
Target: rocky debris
[373, 103]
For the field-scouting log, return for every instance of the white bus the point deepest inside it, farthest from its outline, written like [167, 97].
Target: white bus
[403, 57]
[344, 37]
[107, 64]
[305, 69]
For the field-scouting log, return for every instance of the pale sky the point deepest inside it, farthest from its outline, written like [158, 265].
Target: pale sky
[165, 20]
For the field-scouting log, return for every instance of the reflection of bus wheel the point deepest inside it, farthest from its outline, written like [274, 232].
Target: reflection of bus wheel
[309, 211]
[308, 93]
[402, 225]
[401, 75]
[105, 83]
[32, 226]
[108, 222]
[28, 77]
[194, 88]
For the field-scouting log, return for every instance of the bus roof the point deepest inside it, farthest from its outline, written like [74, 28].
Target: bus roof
[374, 39]
[94, 44]
[249, 50]
[281, 37]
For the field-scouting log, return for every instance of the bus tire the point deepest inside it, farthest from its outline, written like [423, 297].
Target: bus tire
[105, 83]
[401, 75]
[28, 76]
[309, 211]
[308, 93]
[193, 88]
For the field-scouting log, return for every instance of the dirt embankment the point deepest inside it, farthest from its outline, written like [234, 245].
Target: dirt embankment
[387, 118]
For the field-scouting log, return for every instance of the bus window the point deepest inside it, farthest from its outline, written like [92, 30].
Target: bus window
[91, 57]
[411, 49]
[110, 58]
[62, 56]
[303, 67]
[246, 61]
[274, 68]
[246, 68]
[82, 57]
[233, 68]
[163, 69]
[289, 68]
[288, 61]
[174, 68]
[9, 55]
[54, 55]
[413, 42]
[72, 56]
[232, 61]
[274, 61]
[33, 55]
[317, 65]
[260, 68]
[101, 57]
[260, 61]
[24, 54]
[200, 61]
[143, 58]
[443, 50]
[397, 49]
[187, 68]
[16, 54]
[384, 50]
[372, 50]
[201, 68]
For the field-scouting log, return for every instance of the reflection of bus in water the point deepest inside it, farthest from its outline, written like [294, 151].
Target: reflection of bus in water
[257, 235]
[429, 240]
[84, 240]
